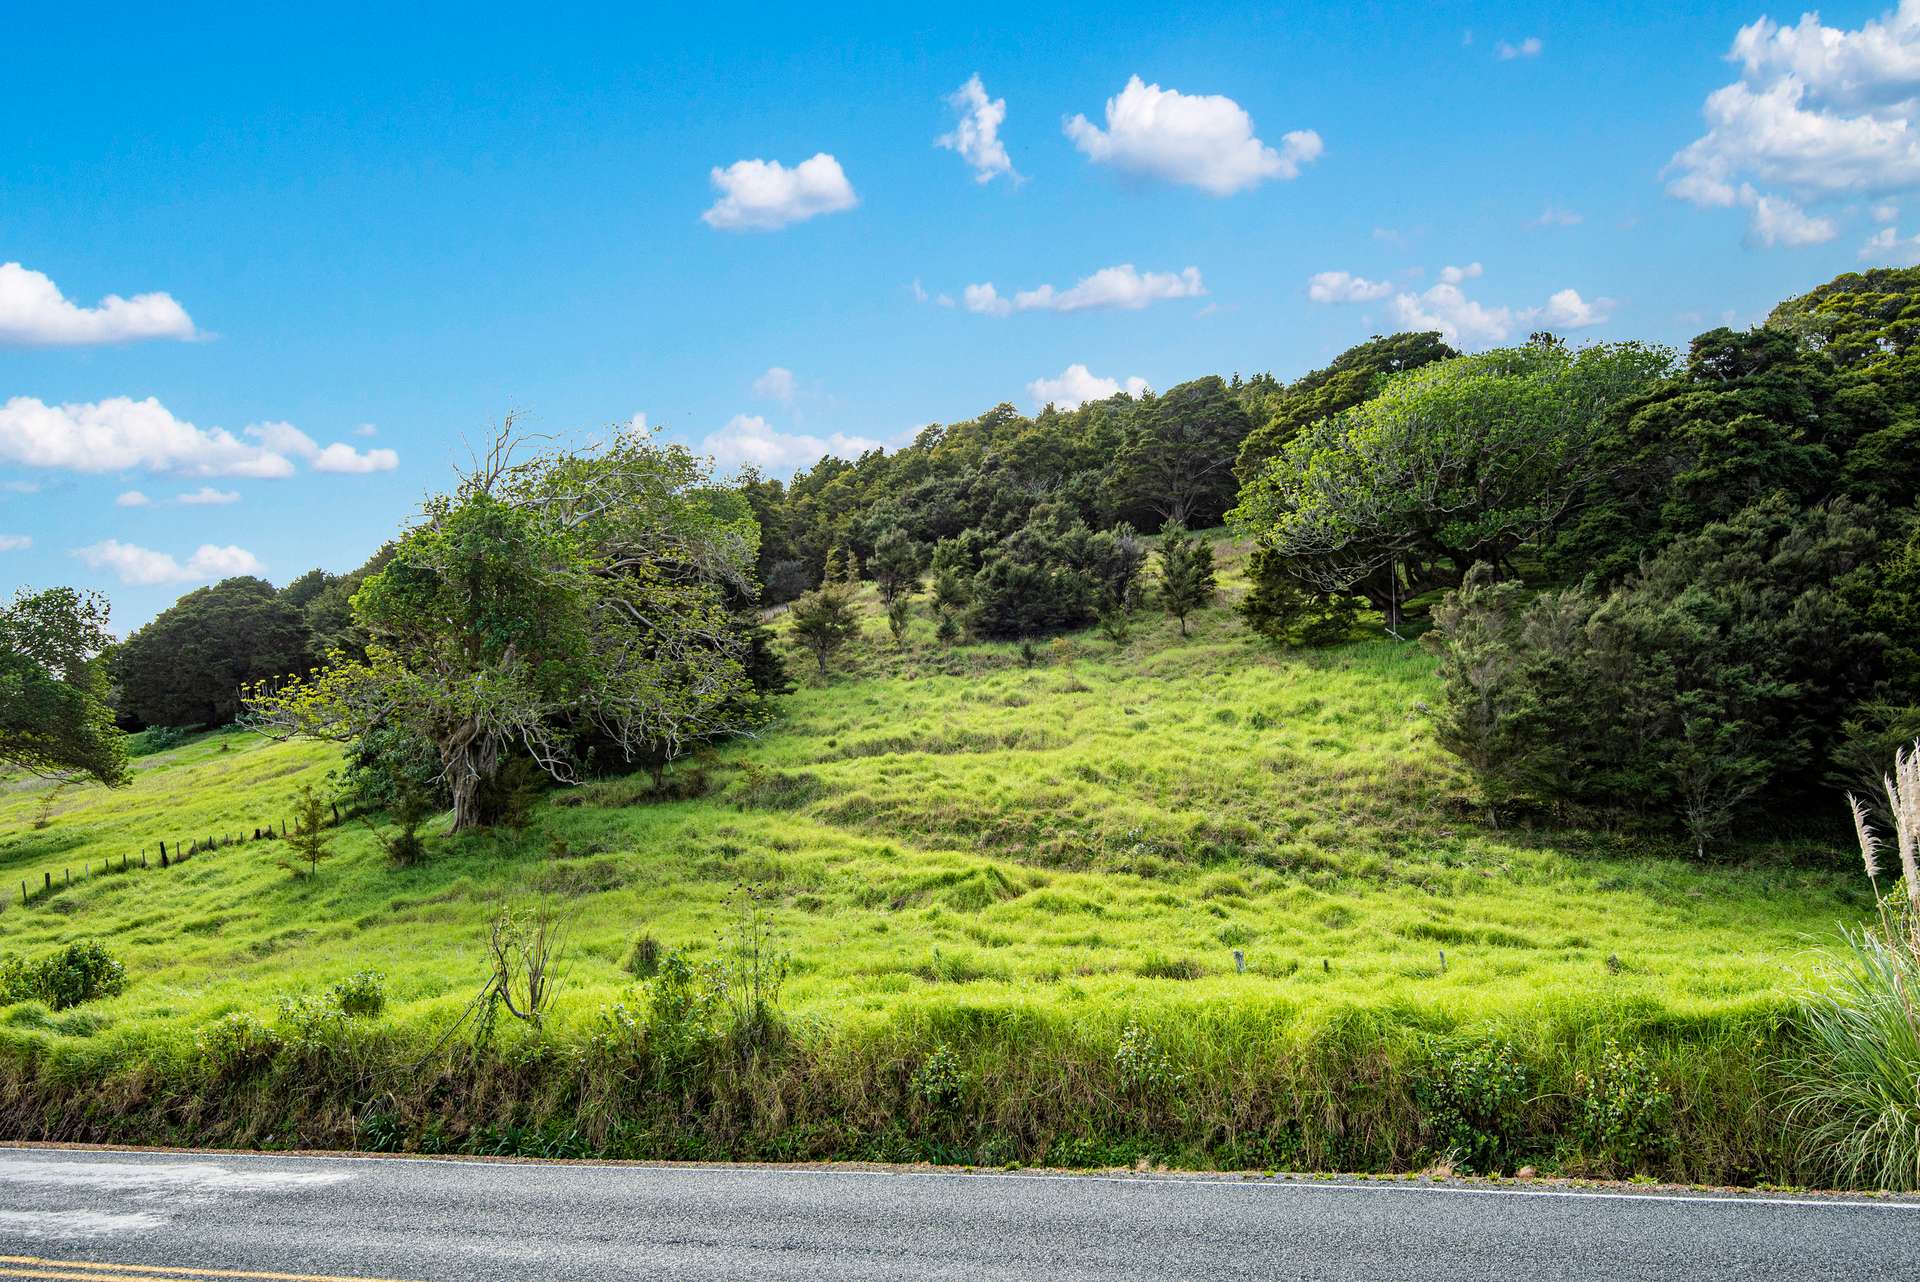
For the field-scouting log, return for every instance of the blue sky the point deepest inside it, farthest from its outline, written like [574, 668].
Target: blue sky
[346, 242]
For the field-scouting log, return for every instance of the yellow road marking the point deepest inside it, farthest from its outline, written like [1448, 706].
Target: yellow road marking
[151, 1272]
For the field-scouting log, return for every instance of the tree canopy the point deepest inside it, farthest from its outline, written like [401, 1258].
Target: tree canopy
[572, 600]
[189, 666]
[54, 719]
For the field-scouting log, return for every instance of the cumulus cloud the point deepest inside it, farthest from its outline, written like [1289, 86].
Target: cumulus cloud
[119, 433]
[15, 542]
[1779, 221]
[34, 313]
[764, 195]
[1201, 140]
[207, 496]
[1076, 385]
[1567, 310]
[133, 498]
[338, 458]
[144, 567]
[976, 134]
[1468, 323]
[1888, 247]
[1818, 113]
[775, 385]
[1507, 51]
[1345, 287]
[1123, 288]
[748, 439]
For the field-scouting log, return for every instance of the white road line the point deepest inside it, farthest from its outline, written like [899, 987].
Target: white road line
[1271, 1184]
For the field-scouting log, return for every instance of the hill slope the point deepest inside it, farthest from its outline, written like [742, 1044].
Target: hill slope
[947, 841]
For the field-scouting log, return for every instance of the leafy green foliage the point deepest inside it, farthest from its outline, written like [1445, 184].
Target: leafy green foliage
[361, 995]
[575, 598]
[1177, 459]
[307, 842]
[824, 622]
[896, 564]
[1702, 687]
[1459, 461]
[189, 666]
[54, 719]
[1353, 376]
[80, 972]
[1186, 573]
[1625, 1117]
[1474, 1096]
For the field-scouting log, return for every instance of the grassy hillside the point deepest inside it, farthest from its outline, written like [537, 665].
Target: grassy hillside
[965, 856]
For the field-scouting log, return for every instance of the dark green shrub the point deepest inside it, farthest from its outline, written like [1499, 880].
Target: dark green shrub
[939, 1082]
[362, 993]
[81, 972]
[1626, 1112]
[1473, 1095]
[643, 959]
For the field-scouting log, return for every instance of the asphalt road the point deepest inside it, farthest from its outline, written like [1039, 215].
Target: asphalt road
[151, 1217]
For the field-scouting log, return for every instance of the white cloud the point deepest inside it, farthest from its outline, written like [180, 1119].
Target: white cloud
[1345, 287]
[1122, 288]
[1567, 310]
[1468, 323]
[19, 487]
[985, 300]
[764, 195]
[1202, 140]
[1507, 51]
[207, 496]
[1886, 246]
[775, 385]
[1077, 385]
[15, 542]
[339, 457]
[1886, 211]
[133, 498]
[144, 567]
[366, 429]
[1555, 216]
[976, 135]
[1819, 112]
[1779, 221]
[120, 433]
[1460, 320]
[750, 439]
[34, 313]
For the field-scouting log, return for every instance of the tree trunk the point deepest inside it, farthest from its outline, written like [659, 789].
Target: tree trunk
[466, 769]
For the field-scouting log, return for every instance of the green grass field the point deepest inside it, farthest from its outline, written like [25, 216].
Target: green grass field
[1017, 862]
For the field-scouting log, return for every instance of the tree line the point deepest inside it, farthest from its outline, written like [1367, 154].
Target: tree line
[1660, 587]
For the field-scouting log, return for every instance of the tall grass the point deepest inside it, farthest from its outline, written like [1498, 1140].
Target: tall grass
[1856, 1077]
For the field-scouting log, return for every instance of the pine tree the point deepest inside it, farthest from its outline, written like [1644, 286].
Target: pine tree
[824, 621]
[1186, 573]
[308, 843]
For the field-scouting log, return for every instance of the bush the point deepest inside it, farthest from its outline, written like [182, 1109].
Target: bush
[938, 1082]
[1472, 1096]
[1626, 1111]
[81, 972]
[236, 1044]
[156, 739]
[361, 994]
[643, 959]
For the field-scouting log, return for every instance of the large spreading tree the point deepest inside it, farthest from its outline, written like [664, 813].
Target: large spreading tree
[54, 718]
[1453, 463]
[566, 604]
